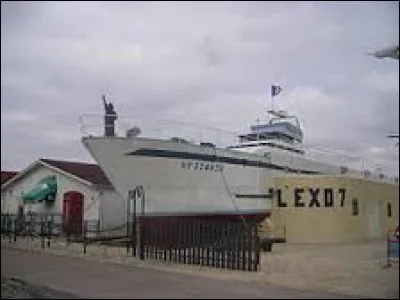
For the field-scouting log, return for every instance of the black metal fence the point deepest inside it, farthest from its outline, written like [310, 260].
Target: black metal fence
[215, 243]
[47, 227]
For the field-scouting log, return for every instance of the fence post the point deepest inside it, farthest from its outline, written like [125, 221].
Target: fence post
[142, 228]
[48, 233]
[68, 236]
[84, 236]
[31, 224]
[9, 229]
[243, 245]
[42, 231]
[53, 225]
[141, 233]
[135, 227]
[133, 237]
[98, 228]
[257, 264]
[138, 232]
[15, 230]
[127, 237]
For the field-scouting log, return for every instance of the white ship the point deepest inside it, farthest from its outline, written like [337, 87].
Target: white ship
[177, 177]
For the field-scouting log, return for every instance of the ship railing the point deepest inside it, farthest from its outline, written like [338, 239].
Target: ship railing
[143, 126]
[351, 165]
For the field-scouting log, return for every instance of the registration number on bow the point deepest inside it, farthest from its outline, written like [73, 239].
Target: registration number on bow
[201, 166]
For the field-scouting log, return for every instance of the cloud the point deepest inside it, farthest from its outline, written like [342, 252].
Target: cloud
[210, 63]
[388, 82]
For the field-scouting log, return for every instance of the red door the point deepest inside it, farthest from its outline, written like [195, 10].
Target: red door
[73, 212]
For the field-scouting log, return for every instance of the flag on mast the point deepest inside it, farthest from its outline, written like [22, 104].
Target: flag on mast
[275, 90]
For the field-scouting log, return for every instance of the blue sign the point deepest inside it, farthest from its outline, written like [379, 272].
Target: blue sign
[393, 248]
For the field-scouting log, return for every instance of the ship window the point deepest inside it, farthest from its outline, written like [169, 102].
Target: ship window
[272, 145]
[354, 207]
[389, 209]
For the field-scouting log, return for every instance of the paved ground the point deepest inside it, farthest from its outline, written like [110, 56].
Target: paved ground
[12, 288]
[351, 269]
[90, 279]
[340, 268]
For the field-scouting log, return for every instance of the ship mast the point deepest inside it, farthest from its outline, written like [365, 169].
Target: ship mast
[275, 91]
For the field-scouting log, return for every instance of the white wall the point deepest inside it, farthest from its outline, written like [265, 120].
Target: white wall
[3, 202]
[112, 212]
[64, 184]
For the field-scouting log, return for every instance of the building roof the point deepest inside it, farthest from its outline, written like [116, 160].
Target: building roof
[89, 172]
[7, 175]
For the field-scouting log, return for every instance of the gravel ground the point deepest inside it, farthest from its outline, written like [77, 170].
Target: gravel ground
[13, 288]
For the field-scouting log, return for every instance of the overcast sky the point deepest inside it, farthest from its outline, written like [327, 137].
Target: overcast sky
[210, 63]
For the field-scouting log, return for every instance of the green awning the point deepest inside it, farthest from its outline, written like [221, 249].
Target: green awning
[45, 189]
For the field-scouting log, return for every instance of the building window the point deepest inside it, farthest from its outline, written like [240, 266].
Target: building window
[343, 169]
[354, 206]
[20, 210]
[389, 209]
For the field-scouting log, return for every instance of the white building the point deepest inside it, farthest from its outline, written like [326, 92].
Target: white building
[92, 197]
[6, 176]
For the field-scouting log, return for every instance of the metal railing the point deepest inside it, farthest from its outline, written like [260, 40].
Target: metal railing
[93, 125]
[49, 226]
[214, 243]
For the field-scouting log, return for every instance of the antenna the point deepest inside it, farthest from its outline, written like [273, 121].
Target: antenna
[280, 113]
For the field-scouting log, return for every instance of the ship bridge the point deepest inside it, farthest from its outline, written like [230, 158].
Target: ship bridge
[282, 131]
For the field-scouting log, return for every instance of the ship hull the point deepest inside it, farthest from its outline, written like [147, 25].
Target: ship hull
[163, 178]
